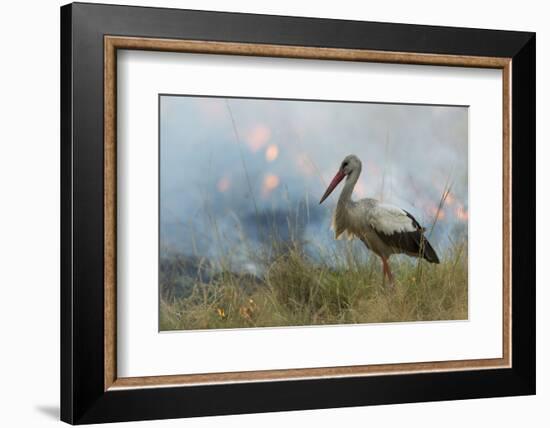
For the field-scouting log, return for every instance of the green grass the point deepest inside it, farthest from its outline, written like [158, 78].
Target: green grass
[295, 290]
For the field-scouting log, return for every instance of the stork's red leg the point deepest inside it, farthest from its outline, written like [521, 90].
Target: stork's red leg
[387, 271]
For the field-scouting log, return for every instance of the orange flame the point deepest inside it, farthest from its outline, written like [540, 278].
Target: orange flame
[271, 153]
[434, 210]
[271, 181]
[461, 213]
[257, 137]
[450, 199]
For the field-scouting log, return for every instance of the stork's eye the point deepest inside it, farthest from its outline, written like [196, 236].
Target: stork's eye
[344, 164]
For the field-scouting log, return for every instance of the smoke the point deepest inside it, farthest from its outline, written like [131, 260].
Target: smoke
[220, 182]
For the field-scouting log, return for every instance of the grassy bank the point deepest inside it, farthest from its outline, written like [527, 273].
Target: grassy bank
[295, 290]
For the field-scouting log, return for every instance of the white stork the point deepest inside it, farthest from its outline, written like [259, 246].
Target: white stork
[383, 228]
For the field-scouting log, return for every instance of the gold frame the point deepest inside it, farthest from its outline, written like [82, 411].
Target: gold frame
[112, 43]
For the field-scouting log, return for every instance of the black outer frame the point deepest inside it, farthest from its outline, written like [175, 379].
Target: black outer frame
[83, 399]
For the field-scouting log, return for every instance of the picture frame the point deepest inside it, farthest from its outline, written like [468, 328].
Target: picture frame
[91, 391]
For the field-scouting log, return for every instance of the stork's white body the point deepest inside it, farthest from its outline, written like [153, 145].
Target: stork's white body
[367, 219]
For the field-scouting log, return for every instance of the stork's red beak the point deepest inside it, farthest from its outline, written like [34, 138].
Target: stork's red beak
[337, 178]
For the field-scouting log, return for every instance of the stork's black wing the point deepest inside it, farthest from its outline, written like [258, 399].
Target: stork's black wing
[400, 230]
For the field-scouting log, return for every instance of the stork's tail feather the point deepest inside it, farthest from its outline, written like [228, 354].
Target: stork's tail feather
[429, 253]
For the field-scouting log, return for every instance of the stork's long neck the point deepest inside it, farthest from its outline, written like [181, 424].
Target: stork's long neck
[345, 195]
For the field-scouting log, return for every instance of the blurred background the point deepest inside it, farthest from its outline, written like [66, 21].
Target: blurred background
[235, 173]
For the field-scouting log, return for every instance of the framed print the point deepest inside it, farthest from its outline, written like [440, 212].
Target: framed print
[316, 212]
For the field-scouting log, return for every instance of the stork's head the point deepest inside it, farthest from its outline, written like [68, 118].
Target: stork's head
[350, 166]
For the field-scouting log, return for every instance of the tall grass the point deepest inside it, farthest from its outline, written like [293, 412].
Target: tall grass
[297, 290]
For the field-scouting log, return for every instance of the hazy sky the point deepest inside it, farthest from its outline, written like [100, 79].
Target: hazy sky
[278, 156]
